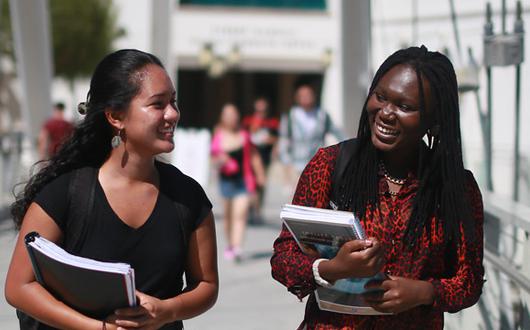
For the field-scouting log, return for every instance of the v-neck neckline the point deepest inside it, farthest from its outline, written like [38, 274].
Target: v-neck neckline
[148, 219]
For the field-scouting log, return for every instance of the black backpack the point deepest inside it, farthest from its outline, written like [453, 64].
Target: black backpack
[346, 149]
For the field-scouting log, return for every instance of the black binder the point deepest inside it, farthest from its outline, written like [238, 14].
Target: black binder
[91, 287]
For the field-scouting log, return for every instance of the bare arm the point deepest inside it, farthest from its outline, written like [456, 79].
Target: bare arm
[21, 288]
[201, 273]
[218, 156]
[219, 159]
[257, 166]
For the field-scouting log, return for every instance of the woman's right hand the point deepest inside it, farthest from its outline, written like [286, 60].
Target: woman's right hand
[356, 258]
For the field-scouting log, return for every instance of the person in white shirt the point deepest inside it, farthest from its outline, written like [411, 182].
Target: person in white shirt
[303, 130]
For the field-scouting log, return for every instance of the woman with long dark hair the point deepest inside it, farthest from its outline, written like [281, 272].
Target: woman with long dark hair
[406, 181]
[138, 211]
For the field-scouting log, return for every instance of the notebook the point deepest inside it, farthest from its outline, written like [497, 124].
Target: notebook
[92, 287]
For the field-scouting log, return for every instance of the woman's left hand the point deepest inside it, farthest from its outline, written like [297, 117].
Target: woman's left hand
[150, 313]
[399, 294]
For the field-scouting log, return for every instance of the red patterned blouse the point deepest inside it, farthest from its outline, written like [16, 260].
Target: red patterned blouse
[456, 274]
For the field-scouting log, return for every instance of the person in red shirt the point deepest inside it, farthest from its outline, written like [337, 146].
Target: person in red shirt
[263, 129]
[54, 132]
[420, 208]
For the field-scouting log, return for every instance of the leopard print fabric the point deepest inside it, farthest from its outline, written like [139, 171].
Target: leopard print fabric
[455, 273]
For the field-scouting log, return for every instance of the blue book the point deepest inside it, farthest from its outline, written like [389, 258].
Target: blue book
[325, 231]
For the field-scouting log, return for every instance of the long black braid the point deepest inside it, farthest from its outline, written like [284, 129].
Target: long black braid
[113, 85]
[440, 167]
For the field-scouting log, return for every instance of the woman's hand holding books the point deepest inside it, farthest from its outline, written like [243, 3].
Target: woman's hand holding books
[355, 258]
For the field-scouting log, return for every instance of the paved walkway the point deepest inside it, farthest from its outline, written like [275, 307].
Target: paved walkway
[248, 299]
[8, 318]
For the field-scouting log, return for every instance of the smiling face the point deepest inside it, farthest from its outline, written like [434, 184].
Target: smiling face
[394, 111]
[152, 116]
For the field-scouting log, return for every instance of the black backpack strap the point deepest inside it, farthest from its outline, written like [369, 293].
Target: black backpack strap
[327, 124]
[81, 191]
[80, 199]
[346, 149]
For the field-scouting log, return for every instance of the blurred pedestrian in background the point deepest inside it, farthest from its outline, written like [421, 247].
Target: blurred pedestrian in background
[263, 129]
[54, 132]
[240, 172]
[404, 178]
[302, 131]
[142, 212]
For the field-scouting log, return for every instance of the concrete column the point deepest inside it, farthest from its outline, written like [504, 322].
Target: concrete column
[161, 33]
[356, 70]
[31, 34]
[331, 98]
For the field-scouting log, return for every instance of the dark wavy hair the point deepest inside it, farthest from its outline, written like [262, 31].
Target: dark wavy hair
[440, 166]
[113, 85]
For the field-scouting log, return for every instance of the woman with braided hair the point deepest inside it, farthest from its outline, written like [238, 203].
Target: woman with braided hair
[143, 212]
[406, 181]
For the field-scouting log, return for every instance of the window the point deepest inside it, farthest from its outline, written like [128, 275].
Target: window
[276, 4]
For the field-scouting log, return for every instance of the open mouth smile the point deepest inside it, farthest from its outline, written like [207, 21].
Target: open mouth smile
[386, 131]
[167, 131]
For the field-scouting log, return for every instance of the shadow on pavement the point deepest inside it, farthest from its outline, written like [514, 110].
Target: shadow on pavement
[267, 224]
[257, 256]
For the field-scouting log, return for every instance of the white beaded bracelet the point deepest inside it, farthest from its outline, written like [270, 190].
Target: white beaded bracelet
[320, 281]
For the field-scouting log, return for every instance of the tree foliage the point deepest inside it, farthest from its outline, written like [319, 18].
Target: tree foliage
[6, 39]
[82, 32]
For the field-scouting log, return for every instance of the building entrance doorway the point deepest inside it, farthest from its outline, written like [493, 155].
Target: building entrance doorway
[201, 97]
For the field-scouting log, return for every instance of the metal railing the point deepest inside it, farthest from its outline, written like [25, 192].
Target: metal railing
[505, 301]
